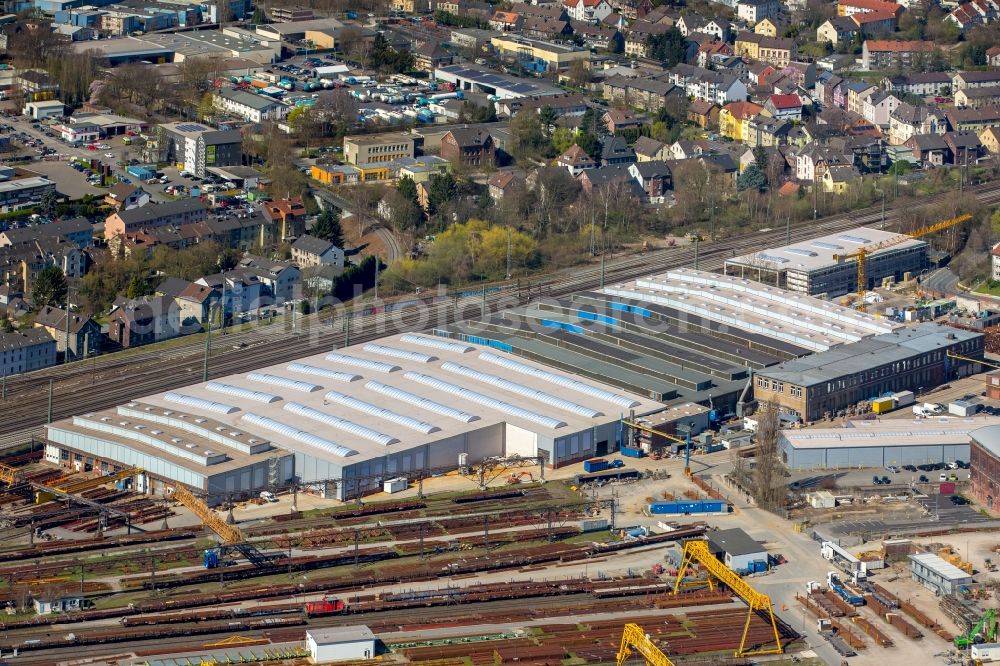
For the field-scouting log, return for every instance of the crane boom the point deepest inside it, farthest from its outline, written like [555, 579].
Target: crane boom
[230, 534]
[635, 637]
[8, 475]
[860, 256]
[697, 551]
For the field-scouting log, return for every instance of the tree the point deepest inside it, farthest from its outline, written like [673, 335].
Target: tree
[407, 189]
[752, 178]
[206, 107]
[526, 134]
[229, 259]
[48, 205]
[327, 226]
[766, 484]
[562, 138]
[579, 73]
[669, 47]
[547, 118]
[50, 288]
[442, 189]
[6, 326]
[137, 287]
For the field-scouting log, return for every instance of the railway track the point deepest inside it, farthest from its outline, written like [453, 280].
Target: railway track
[99, 384]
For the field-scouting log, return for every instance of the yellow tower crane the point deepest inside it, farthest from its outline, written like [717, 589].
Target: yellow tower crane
[635, 638]
[861, 255]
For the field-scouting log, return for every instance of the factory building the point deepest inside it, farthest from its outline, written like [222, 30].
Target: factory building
[680, 336]
[812, 267]
[984, 459]
[826, 384]
[882, 443]
[352, 418]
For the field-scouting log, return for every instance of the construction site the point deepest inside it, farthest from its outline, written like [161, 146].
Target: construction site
[603, 478]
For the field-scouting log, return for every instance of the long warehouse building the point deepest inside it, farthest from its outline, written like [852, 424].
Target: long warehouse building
[818, 267]
[352, 418]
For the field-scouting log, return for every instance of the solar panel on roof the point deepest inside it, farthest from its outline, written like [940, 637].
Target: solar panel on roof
[191, 127]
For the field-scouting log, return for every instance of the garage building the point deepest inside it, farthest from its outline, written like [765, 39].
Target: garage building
[881, 443]
[340, 644]
[736, 549]
[352, 418]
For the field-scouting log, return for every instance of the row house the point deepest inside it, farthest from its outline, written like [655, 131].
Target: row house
[974, 98]
[643, 94]
[707, 85]
[648, 149]
[615, 151]
[767, 132]
[599, 37]
[990, 138]
[890, 53]
[827, 83]
[973, 120]
[929, 149]
[173, 214]
[777, 51]
[759, 73]
[703, 113]
[567, 105]
[76, 334]
[540, 27]
[856, 93]
[919, 83]
[141, 321]
[813, 161]
[985, 79]
[865, 152]
[632, 9]
[851, 7]
[908, 120]
[802, 74]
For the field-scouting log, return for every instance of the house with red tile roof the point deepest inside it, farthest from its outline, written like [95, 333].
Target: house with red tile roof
[891, 53]
[784, 107]
[850, 7]
[506, 21]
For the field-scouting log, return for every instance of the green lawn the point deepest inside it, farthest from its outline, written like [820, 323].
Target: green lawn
[990, 287]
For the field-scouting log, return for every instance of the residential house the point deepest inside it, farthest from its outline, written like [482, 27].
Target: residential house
[892, 54]
[974, 98]
[973, 120]
[195, 304]
[703, 113]
[575, 159]
[776, 51]
[684, 150]
[717, 27]
[856, 94]
[141, 321]
[541, 27]
[688, 24]
[505, 21]
[874, 24]
[838, 30]
[801, 74]
[76, 332]
[964, 147]
[765, 131]
[620, 120]
[308, 251]
[878, 107]
[280, 279]
[771, 26]
[637, 39]
[25, 351]
[707, 85]
[173, 213]
[919, 83]
[993, 56]
[759, 73]
[502, 183]
[648, 149]
[973, 13]
[908, 120]
[733, 116]
[468, 147]
[655, 179]
[722, 165]
[641, 93]
[828, 89]
[286, 217]
[752, 12]
[241, 291]
[995, 252]
[430, 55]
[593, 180]
[599, 37]
[125, 196]
[813, 161]
[77, 230]
[615, 151]
[990, 138]
[587, 10]
[711, 53]
[929, 149]
[784, 107]
[837, 179]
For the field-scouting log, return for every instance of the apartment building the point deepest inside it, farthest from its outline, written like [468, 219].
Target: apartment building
[890, 53]
[377, 149]
[174, 213]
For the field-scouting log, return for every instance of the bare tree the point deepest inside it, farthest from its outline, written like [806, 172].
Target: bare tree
[767, 484]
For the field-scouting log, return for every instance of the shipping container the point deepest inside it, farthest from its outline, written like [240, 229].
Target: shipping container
[631, 452]
[963, 408]
[396, 485]
[903, 398]
[947, 488]
[595, 525]
[883, 405]
[595, 465]
[688, 506]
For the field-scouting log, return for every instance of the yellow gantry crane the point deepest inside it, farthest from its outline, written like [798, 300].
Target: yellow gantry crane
[635, 638]
[697, 551]
[861, 255]
[8, 475]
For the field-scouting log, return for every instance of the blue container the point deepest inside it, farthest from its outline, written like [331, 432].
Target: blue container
[210, 559]
[632, 453]
[664, 507]
[758, 566]
[595, 465]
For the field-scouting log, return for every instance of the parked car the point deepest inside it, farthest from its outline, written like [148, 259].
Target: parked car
[893, 469]
[886, 481]
[924, 479]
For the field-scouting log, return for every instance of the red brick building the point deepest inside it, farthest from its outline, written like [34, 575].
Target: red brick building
[464, 146]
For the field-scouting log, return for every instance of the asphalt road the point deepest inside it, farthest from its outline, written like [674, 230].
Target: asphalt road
[942, 280]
